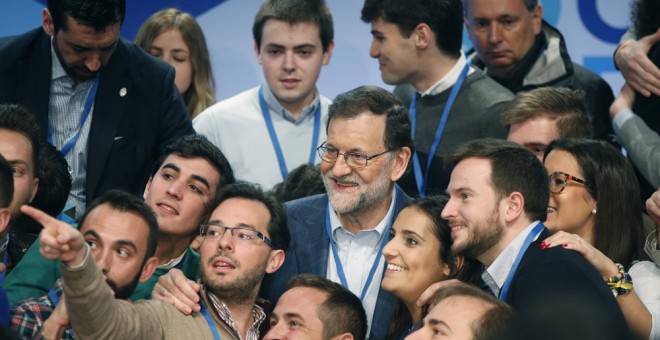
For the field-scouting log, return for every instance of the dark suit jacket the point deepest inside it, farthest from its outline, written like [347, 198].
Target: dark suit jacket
[308, 254]
[127, 132]
[552, 283]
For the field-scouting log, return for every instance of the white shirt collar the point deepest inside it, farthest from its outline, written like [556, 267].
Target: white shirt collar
[274, 105]
[449, 79]
[501, 267]
[380, 228]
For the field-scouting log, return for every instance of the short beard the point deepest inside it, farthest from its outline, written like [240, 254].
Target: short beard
[125, 291]
[482, 237]
[241, 291]
[374, 195]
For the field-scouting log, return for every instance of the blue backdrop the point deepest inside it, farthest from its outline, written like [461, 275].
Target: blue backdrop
[592, 29]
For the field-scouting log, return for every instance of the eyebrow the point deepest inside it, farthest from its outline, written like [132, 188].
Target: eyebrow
[435, 322]
[242, 225]
[126, 243]
[410, 232]
[198, 178]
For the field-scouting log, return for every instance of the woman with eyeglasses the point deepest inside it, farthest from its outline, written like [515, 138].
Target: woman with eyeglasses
[594, 209]
[418, 255]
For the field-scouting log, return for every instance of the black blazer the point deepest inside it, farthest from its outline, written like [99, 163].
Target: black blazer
[555, 282]
[127, 131]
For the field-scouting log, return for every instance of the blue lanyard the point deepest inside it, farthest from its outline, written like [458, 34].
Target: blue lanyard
[528, 240]
[276, 142]
[53, 297]
[88, 108]
[335, 254]
[5, 261]
[422, 180]
[209, 320]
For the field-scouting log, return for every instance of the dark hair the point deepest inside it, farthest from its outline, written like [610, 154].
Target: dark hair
[54, 181]
[6, 183]
[376, 101]
[444, 17]
[530, 4]
[469, 271]
[497, 321]
[612, 183]
[278, 229]
[563, 105]
[96, 14]
[197, 146]
[342, 312]
[18, 119]
[293, 12]
[513, 169]
[124, 202]
[644, 16]
[303, 181]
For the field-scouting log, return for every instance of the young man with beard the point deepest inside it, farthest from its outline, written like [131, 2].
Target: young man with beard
[340, 235]
[271, 129]
[245, 237]
[498, 196]
[184, 181]
[108, 106]
[122, 234]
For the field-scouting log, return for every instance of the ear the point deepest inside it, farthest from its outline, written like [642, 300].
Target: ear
[537, 19]
[47, 22]
[146, 188]
[275, 260]
[256, 52]
[345, 336]
[35, 188]
[328, 53]
[5, 215]
[460, 261]
[515, 207]
[148, 268]
[423, 36]
[401, 159]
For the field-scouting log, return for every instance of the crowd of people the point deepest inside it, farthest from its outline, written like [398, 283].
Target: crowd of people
[498, 193]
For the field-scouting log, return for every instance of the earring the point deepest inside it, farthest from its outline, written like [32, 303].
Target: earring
[593, 212]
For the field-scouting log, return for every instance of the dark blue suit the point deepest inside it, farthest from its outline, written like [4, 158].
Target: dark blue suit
[308, 254]
[128, 131]
[553, 281]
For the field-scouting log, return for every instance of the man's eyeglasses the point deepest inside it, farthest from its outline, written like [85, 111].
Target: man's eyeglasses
[353, 159]
[243, 235]
[558, 181]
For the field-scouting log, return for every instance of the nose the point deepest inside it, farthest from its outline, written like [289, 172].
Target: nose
[175, 190]
[449, 211]
[374, 50]
[275, 332]
[289, 64]
[226, 241]
[93, 61]
[494, 33]
[389, 250]
[104, 260]
[341, 167]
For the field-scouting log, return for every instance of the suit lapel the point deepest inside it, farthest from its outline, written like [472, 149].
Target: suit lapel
[33, 83]
[108, 110]
[313, 256]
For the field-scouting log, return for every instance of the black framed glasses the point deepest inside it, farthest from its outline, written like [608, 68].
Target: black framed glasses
[243, 235]
[353, 159]
[558, 181]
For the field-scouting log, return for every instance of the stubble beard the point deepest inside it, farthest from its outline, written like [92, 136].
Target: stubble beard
[482, 236]
[240, 291]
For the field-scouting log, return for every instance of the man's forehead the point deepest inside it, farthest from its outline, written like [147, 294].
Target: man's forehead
[103, 218]
[88, 36]
[301, 30]
[197, 165]
[238, 211]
